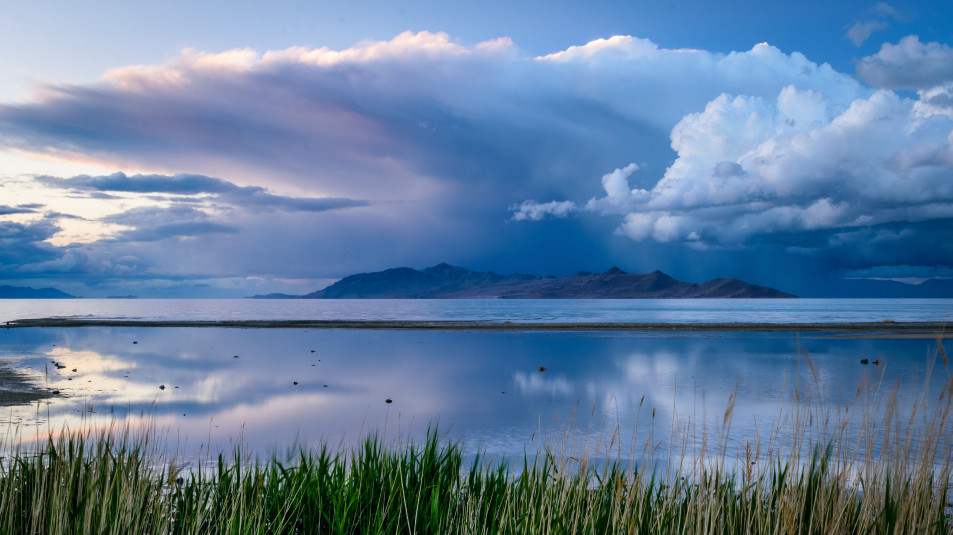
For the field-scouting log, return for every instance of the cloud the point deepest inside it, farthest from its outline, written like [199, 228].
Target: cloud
[19, 209]
[415, 118]
[936, 100]
[154, 223]
[252, 197]
[25, 243]
[799, 172]
[534, 211]
[885, 9]
[441, 143]
[618, 193]
[248, 197]
[119, 182]
[909, 64]
[862, 30]
[156, 248]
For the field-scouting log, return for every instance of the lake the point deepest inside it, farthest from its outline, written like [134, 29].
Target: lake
[487, 389]
[515, 310]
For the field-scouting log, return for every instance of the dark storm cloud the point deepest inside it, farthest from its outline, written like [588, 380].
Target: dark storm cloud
[119, 182]
[153, 224]
[19, 209]
[252, 197]
[398, 119]
[481, 152]
[22, 244]
[249, 197]
[175, 230]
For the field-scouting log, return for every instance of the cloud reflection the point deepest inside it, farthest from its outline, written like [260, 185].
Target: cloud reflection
[483, 388]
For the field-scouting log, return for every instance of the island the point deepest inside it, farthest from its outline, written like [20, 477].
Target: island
[444, 281]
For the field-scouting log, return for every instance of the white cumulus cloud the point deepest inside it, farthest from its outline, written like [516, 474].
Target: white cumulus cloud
[534, 211]
[750, 167]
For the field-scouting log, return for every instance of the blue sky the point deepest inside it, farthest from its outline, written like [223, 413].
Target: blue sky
[222, 149]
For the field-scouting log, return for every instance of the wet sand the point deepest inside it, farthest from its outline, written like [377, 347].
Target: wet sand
[884, 329]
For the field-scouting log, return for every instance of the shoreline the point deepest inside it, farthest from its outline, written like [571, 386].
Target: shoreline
[18, 389]
[881, 329]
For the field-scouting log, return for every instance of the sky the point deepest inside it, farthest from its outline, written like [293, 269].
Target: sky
[225, 149]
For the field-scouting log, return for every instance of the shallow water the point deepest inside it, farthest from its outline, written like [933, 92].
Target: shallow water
[484, 388]
[516, 310]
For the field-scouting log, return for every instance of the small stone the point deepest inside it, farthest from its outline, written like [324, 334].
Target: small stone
[388, 400]
[74, 369]
[135, 342]
[296, 382]
[312, 351]
[161, 387]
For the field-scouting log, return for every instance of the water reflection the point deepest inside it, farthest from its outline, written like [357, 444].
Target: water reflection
[270, 388]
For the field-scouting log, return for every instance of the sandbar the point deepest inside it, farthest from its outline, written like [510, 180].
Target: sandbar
[880, 329]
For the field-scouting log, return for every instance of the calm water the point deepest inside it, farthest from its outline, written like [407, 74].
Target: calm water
[484, 388]
[530, 310]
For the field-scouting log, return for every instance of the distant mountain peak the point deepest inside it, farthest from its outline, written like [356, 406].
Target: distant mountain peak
[443, 266]
[445, 281]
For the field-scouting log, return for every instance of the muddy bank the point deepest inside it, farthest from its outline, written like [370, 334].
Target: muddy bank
[16, 388]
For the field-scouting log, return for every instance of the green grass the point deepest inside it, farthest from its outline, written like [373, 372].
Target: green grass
[873, 469]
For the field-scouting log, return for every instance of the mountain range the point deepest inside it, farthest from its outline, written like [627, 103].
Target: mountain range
[444, 281]
[24, 292]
